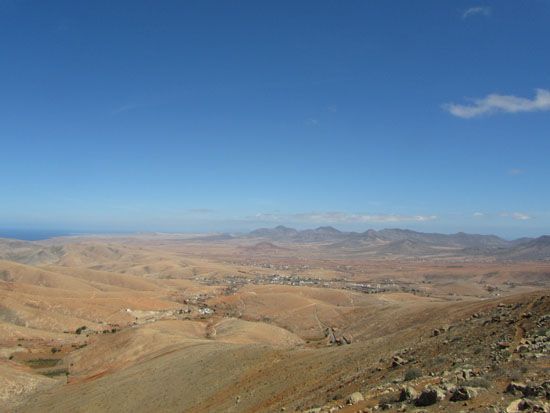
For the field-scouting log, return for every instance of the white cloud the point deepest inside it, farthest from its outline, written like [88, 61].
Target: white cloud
[476, 11]
[266, 217]
[520, 216]
[478, 214]
[341, 217]
[495, 103]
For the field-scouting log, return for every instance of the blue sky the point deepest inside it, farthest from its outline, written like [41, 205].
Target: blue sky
[228, 115]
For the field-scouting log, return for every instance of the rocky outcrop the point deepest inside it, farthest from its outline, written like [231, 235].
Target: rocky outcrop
[529, 390]
[527, 405]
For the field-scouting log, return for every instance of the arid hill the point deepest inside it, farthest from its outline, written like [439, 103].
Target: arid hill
[168, 322]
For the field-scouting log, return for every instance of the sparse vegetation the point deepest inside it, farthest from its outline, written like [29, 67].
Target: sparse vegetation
[41, 363]
[478, 382]
[55, 373]
[387, 399]
[441, 359]
[412, 373]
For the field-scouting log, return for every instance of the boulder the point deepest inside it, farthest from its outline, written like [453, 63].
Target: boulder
[408, 394]
[532, 390]
[355, 398]
[463, 393]
[429, 396]
[516, 388]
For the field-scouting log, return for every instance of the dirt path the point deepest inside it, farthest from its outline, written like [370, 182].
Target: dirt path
[321, 325]
[519, 332]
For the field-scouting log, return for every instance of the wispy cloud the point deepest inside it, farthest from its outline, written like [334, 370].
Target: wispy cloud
[515, 171]
[340, 217]
[124, 108]
[520, 216]
[476, 11]
[200, 210]
[312, 122]
[478, 214]
[495, 103]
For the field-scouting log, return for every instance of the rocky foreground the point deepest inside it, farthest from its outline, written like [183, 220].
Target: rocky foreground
[496, 360]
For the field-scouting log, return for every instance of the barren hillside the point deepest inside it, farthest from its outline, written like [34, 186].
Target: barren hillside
[165, 323]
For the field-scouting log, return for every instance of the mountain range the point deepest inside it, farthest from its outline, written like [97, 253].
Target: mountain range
[385, 243]
[404, 242]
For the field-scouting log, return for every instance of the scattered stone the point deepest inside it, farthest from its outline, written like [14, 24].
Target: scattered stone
[398, 361]
[467, 374]
[522, 348]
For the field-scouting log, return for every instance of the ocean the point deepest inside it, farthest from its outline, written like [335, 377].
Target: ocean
[33, 234]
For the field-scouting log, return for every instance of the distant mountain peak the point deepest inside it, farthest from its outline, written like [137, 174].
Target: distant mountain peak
[283, 228]
[328, 229]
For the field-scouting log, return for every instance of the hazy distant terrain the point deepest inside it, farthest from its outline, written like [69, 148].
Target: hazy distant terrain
[406, 243]
[273, 319]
